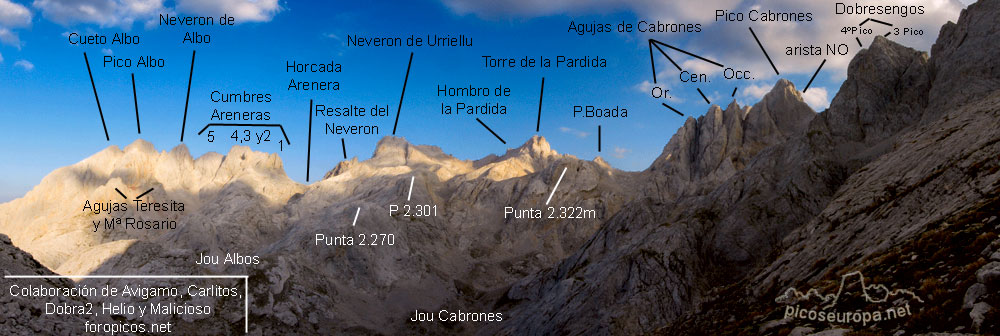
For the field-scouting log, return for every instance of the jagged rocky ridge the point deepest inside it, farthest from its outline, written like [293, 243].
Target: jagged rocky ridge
[707, 151]
[243, 202]
[909, 145]
[743, 203]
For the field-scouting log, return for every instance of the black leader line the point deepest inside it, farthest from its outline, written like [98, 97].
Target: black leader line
[188, 98]
[405, 79]
[538, 124]
[309, 141]
[120, 193]
[672, 109]
[93, 86]
[144, 194]
[814, 76]
[703, 96]
[765, 51]
[135, 100]
[491, 131]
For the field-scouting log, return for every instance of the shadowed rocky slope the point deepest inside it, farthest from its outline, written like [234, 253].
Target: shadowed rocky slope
[908, 145]
[22, 315]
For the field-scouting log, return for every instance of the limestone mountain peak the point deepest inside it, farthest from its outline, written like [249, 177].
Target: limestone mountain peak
[536, 147]
[390, 144]
[780, 113]
[709, 149]
[140, 145]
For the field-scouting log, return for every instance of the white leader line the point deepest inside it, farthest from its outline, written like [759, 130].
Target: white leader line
[556, 187]
[356, 216]
[246, 284]
[411, 188]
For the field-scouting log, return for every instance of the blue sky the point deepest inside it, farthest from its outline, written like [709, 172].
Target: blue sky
[50, 118]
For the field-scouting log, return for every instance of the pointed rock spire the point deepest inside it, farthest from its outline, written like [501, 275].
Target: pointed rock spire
[781, 113]
[721, 142]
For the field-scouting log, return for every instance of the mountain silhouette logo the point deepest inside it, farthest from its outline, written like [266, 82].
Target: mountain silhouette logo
[855, 301]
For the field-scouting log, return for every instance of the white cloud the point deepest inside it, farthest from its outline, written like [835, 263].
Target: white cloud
[697, 66]
[23, 64]
[9, 37]
[14, 14]
[69, 11]
[738, 48]
[577, 133]
[731, 42]
[718, 98]
[124, 13]
[1, 58]
[242, 10]
[817, 98]
[679, 10]
[644, 87]
[754, 92]
[620, 152]
[107, 51]
[142, 6]
[105, 13]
